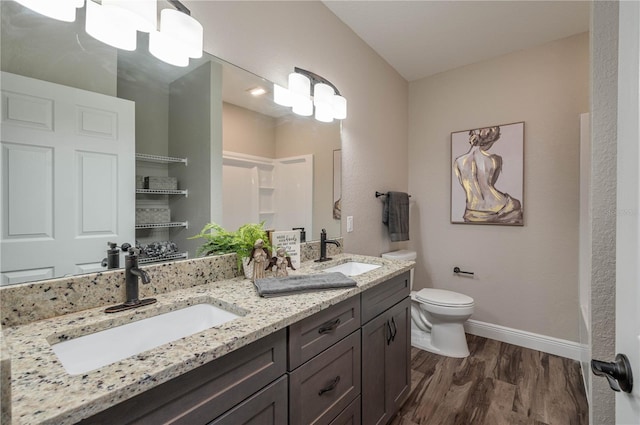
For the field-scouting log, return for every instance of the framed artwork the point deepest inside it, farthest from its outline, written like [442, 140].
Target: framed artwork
[487, 175]
[337, 184]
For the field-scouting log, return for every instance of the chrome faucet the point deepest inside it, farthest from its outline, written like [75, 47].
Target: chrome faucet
[323, 246]
[132, 273]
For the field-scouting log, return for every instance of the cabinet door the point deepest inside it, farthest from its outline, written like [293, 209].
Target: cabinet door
[386, 352]
[266, 407]
[398, 356]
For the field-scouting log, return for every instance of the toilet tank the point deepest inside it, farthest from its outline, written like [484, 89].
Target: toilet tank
[402, 254]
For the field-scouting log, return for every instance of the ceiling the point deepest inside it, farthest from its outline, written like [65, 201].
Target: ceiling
[422, 38]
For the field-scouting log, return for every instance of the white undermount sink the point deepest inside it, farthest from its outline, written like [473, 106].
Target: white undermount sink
[89, 352]
[352, 268]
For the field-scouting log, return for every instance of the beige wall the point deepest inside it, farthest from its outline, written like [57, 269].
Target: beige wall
[525, 277]
[271, 38]
[248, 132]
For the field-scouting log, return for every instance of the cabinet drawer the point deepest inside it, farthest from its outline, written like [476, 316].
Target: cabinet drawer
[381, 297]
[205, 393]
[350, 415]
[312, 335]
[324, 386]
[267, 407]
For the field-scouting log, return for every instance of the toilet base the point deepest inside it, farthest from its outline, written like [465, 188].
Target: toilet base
[456, 348]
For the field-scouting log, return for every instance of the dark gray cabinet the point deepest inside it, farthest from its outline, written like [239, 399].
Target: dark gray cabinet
[310, 336]
[379, 298]
[199, 396]
[325, 385]
[350, 415]
[324, 364]
[267, 407]
[386, 352]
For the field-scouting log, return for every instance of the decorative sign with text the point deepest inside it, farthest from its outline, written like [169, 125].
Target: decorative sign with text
[290, 241]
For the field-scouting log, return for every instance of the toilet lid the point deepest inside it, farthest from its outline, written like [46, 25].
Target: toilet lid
[443, 297]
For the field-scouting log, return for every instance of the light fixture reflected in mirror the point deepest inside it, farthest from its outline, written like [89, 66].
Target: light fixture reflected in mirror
[179, 38]
[109, 25]
[62, 10]
[115, 22]
[303, 87]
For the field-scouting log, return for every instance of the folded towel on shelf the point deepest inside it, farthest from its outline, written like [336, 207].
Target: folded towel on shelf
[396, 215]
[279, 286]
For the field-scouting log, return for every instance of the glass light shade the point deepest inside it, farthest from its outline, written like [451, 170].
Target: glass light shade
[282, 96]
[324, 112]
[107, 25]
[302, 105]
[184, 29]
[322, 93]
[62, 10]
[299, 84]
[142, 14]
[339, 104]
[167, 49]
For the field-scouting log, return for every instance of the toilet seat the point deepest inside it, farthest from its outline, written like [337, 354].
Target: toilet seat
[443, 298]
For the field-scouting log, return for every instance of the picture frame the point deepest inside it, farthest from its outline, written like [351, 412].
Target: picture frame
[487, 175]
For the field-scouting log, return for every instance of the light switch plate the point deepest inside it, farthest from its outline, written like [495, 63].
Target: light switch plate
[349, 223]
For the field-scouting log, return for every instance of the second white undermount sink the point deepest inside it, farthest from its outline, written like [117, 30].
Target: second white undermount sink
[92, 351]
[352, 268]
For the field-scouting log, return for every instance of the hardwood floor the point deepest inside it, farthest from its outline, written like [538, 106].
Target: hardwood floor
[498, 384]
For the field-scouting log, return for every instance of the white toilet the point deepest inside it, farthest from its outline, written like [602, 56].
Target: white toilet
[437, 316]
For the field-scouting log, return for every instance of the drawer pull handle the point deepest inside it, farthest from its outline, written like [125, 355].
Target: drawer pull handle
[329, 326]
[391, 333]
[395, 329]
[332, 386]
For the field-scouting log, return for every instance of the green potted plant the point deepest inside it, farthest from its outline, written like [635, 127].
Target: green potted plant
[220, 241]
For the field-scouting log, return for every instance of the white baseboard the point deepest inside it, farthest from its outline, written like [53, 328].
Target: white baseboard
[547, 344]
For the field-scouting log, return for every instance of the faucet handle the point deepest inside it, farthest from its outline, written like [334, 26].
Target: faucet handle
[133, 251]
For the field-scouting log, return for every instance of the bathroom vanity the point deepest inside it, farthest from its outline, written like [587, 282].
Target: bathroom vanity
[332, 357]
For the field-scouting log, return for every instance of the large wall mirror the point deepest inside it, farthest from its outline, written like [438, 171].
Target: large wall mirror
[101, 145]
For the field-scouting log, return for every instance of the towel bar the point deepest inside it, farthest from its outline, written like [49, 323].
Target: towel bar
[379, 194]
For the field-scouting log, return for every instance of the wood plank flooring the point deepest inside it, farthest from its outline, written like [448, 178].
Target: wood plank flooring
[498, 384]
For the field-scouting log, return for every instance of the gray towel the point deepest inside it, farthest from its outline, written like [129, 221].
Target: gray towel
[278, 286]
[396, 215]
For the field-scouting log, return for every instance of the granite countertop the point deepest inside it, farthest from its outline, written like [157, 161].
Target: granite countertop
[44, 393]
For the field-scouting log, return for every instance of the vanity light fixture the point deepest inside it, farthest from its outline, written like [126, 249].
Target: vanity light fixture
[62, 10]
[116, 22]
[308, 93]
[179, 38]
[113, 23]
